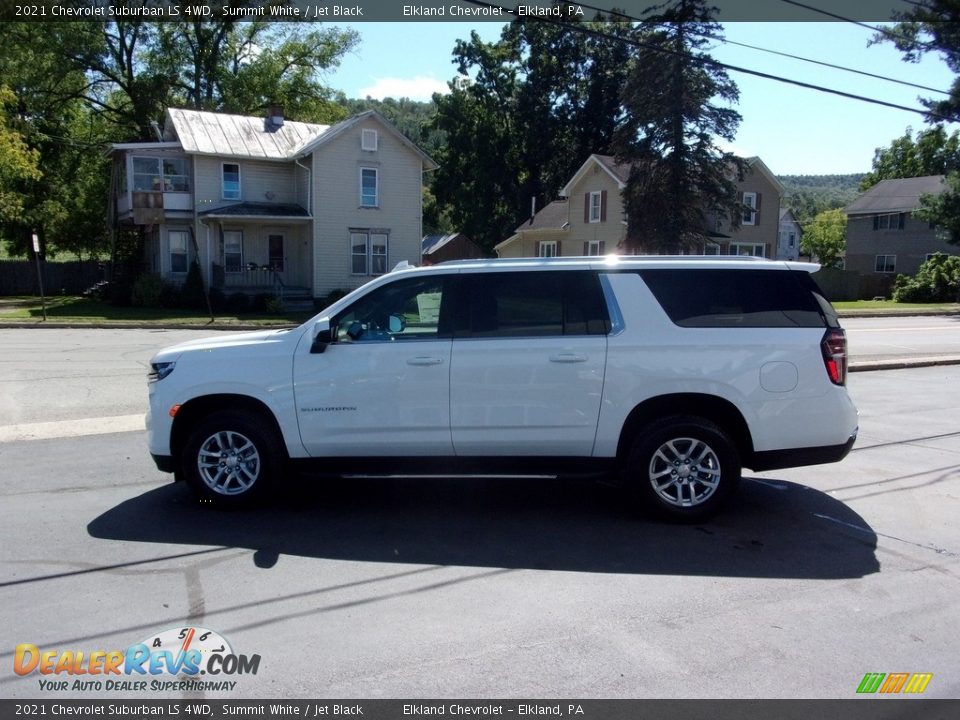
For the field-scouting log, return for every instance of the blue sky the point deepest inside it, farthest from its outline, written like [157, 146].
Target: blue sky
[794, 130]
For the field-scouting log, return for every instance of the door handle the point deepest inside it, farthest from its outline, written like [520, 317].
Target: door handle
[568, 358]
[424, 361]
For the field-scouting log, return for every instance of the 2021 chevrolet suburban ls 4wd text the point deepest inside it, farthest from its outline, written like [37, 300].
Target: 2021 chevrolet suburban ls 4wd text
[671, 372]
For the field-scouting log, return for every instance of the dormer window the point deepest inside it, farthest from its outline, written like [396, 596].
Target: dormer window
[368, 140]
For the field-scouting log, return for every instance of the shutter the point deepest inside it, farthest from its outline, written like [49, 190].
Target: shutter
[536, 249]
[756, 211]
[901, 221]
[876, 222]
[559, 251]
[586, 207]
[603, 247]
[586, 248]
[603, 206]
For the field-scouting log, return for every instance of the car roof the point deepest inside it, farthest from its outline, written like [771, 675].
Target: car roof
[629, 262]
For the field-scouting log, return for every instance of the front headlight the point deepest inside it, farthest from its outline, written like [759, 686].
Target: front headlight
[159, 370]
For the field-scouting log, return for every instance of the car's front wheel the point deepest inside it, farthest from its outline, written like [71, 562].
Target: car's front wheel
[231, 458]
[683, 468]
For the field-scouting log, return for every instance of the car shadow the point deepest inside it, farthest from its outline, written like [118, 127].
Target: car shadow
[773, 529]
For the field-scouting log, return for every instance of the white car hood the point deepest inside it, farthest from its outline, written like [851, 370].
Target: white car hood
[216, 342]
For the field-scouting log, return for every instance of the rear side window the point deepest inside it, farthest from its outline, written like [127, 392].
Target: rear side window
[532, 304]
[737, 298]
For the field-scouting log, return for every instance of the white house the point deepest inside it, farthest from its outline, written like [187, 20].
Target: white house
[266, 203]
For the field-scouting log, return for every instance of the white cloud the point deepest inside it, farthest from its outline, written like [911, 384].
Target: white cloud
[417, 88]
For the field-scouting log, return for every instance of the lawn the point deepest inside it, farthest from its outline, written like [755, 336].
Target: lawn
[894, 308]
[81, 311]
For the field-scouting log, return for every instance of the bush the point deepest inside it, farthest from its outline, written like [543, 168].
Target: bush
[146, 291]
[274, 305]
[191, 294]
[237, 303]
[937, 280]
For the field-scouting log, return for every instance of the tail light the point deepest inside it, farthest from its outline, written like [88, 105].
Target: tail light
[834, 349]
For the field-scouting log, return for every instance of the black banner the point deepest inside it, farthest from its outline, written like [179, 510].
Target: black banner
[432, 10]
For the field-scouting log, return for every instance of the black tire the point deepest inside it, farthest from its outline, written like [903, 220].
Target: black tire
[682, 468]
[232, 458]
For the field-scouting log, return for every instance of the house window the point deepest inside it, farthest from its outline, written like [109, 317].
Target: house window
[596, 204]
[369, 250]
[547, 249]
[750, 209]
[160, 174]
[594, 247]
[711, 249]
[748, 249]
[792, 239]
[368, 140]
[891, 221]
[232, 250]
[886, 264]
[178, 250]
[369, 191]
[231, 181]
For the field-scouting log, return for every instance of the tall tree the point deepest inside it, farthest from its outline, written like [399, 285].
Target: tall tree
[18, 164]
[541, 99]
[673, 100]
[933, 152]
[933, 26]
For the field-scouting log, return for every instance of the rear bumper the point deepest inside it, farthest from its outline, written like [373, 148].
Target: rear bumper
[798, 457]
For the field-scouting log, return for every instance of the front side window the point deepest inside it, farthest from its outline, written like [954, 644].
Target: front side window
[401, 311]
[750, 208]
[596, 204]
[160, 174]
[232, 250]
[178, 251]
[886, 264]
[369, 190]
[231, 181]
[748, 249]
[369, 252]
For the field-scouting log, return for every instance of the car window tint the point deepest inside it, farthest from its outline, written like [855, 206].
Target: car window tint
[735, 298]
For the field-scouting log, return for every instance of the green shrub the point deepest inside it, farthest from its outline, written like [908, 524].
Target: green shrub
[274, 305]
[191, 294]
[237, 303]
[937, 280]
[146, 291]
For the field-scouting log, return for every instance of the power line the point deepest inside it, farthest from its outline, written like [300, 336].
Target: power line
[928, 114]
[787, 55]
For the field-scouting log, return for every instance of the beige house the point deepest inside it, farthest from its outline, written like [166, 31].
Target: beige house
[589, 218]
[271, 205]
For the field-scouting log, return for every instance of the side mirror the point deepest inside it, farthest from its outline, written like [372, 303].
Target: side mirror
[323, 336]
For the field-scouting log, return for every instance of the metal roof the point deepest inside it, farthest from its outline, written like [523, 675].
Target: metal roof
[207, 133]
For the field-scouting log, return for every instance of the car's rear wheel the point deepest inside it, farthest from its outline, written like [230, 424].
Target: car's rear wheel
[232, 458]
[683, 468]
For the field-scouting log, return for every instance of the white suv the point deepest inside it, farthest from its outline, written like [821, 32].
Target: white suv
[671, 372]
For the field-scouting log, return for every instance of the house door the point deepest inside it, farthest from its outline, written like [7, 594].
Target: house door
[275, 252]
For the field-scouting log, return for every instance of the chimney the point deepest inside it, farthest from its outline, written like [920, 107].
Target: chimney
[275, 117]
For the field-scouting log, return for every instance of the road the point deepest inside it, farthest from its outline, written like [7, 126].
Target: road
[479, 587]
[889, 338]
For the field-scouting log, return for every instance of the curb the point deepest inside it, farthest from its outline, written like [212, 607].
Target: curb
[902, 363]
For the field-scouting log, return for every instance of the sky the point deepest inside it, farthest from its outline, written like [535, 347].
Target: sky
[795, 131]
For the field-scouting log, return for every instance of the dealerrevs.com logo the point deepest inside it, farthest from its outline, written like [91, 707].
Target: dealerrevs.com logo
[894, 683]
[179, 659]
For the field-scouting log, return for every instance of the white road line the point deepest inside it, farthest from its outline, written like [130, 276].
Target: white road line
[71, 428]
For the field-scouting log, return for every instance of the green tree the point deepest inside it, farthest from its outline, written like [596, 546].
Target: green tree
[18, 165]
[673, 101]
[933, 152]
[825, 238]
[541, 99]
[943, 210]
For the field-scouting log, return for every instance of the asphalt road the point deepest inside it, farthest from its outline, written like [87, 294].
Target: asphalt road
[478, 587]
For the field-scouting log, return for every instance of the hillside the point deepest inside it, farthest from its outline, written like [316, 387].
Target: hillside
[808, 195]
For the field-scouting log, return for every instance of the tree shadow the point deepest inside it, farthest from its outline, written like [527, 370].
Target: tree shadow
[773, 529]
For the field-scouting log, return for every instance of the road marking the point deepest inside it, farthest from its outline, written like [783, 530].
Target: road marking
[71, 428]
[901, 329]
